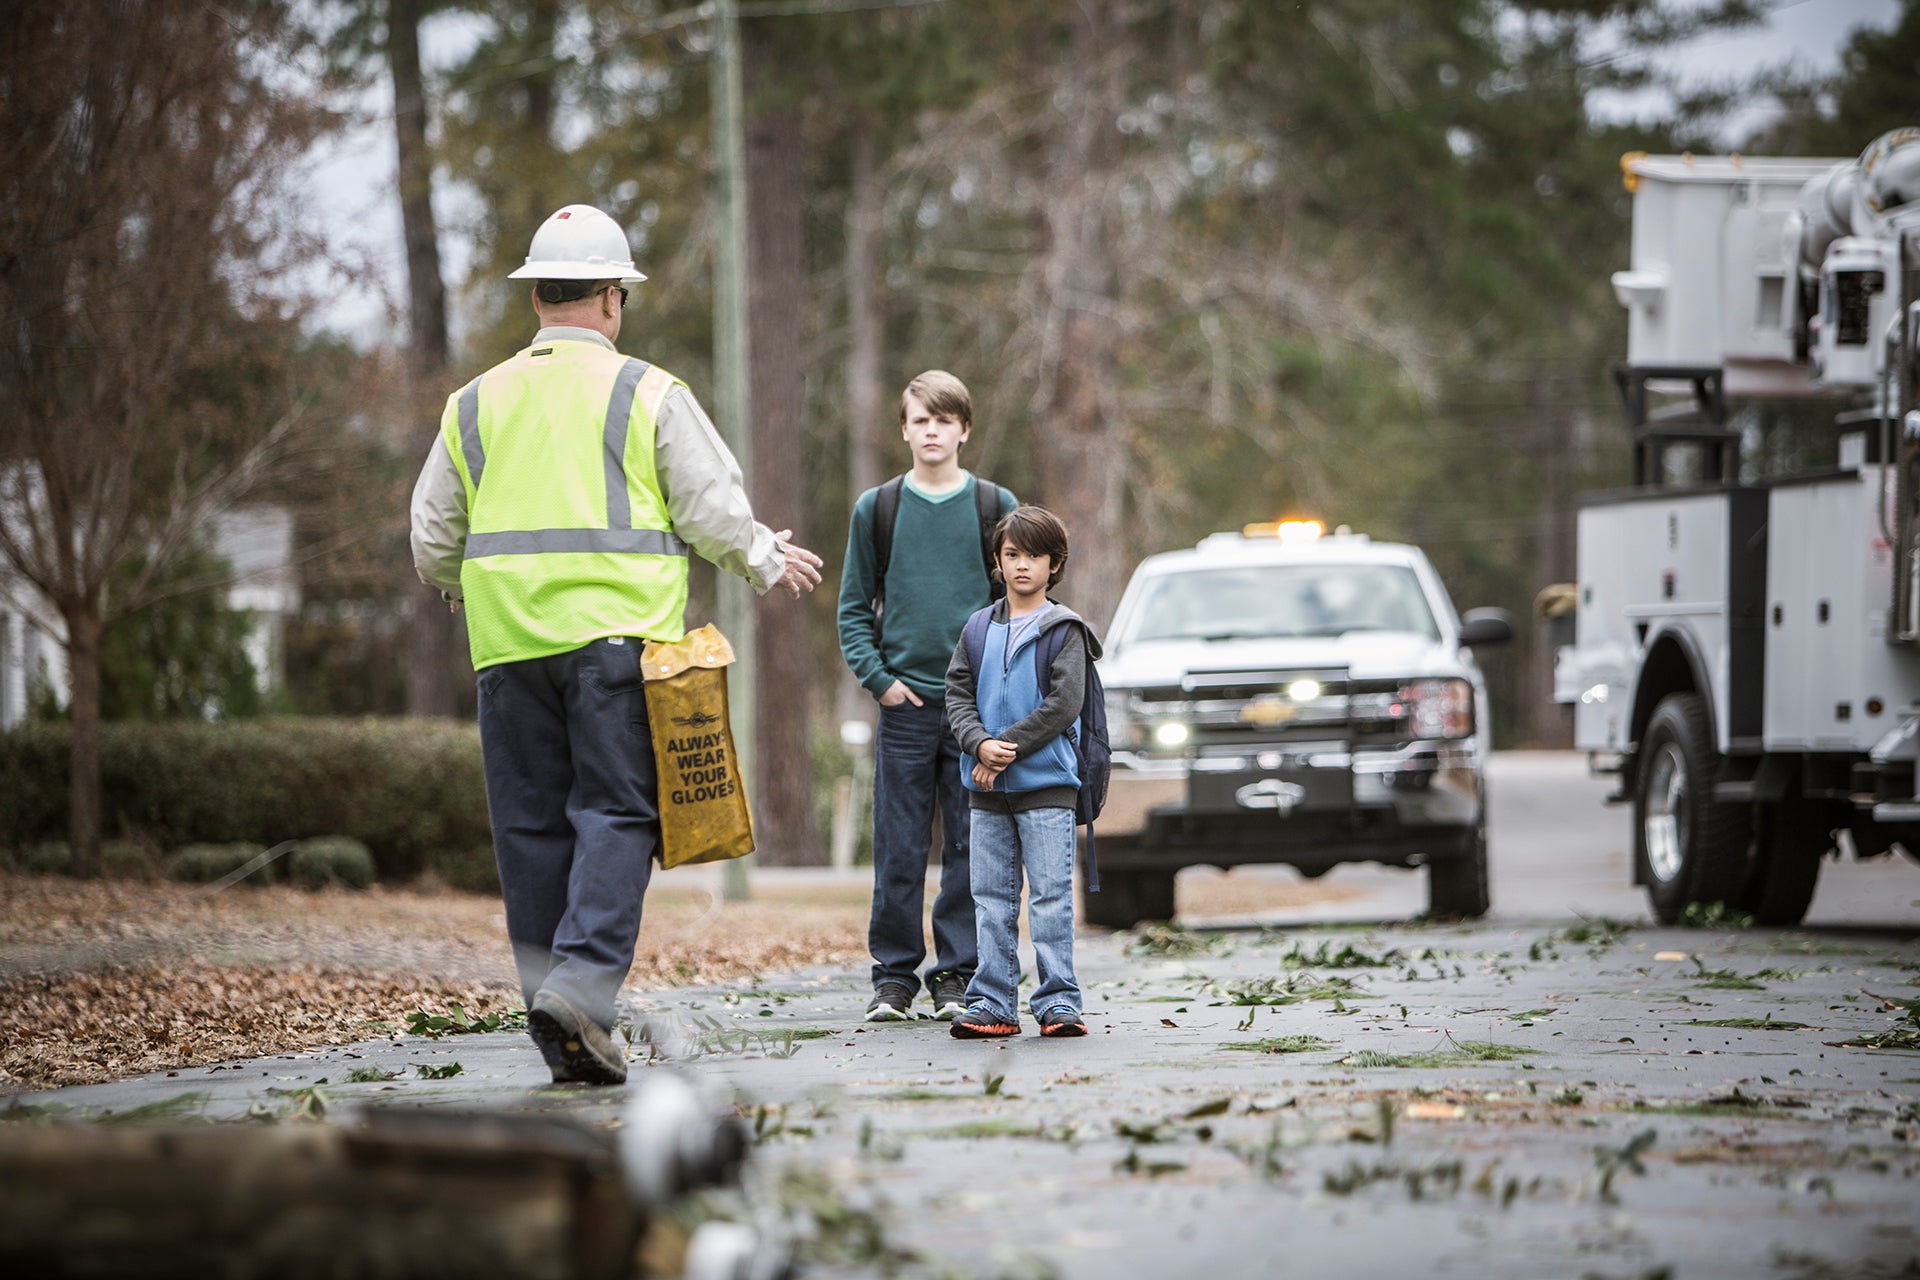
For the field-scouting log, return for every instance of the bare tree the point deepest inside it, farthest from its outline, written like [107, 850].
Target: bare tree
[149, 294]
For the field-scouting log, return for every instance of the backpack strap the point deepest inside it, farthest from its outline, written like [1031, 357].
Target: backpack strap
[1052, 641]
[886, 509]
[975, 636]
[986, 502]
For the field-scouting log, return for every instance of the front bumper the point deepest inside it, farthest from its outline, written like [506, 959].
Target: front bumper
[1308, 804]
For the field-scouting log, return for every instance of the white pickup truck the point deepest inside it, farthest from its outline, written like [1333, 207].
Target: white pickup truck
[1281, 695]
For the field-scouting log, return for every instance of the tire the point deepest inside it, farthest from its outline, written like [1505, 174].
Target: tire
[1794, 839]
[1127, 898]
[1687, 849]
[1457, 886]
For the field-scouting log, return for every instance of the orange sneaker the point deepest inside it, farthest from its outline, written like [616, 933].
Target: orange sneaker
[983, 1024]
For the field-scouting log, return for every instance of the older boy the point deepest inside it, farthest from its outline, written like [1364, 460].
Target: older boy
[916, 568]
[1024, 778]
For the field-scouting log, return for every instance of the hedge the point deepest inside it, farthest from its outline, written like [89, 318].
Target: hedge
[410, 790]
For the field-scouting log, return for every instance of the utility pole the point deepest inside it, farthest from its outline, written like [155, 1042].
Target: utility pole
[730, 377]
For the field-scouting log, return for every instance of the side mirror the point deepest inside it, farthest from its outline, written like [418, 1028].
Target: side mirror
[1486, 626]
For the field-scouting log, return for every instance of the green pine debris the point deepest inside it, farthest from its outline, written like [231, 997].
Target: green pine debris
[1462, 1053]
[1132, 1163]
[177, 1109]
[1347, 956]
[1443, 1178]
[1174, 940]
[1613, 1161]
[1291, 989]
[456, 1021]
[993, 1129]
[1714, 915]
[1767, 1023]
[370, 1075]
[1904, 1034]
[308, 1103]
[1724, 979]
[1734, 1102]
[447, 1072]
[1281, 1044]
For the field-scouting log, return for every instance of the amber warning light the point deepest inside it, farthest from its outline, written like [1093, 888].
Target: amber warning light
[1285, 530]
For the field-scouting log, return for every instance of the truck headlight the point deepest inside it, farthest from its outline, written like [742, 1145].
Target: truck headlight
[1437, 708]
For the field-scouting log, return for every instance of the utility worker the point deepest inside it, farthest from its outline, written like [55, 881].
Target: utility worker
[559, 505]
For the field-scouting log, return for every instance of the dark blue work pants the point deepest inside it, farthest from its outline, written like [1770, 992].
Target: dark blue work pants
[573, 798]
[916, 762]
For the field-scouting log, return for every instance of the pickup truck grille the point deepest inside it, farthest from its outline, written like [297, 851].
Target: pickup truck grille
[1247, 708]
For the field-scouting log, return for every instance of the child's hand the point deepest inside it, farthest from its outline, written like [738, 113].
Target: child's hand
[984, 777]
[996, 753]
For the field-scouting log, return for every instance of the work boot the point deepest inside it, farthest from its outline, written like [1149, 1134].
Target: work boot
[578, 1050]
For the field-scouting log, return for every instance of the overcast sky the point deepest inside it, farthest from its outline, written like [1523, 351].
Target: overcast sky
[352, 184]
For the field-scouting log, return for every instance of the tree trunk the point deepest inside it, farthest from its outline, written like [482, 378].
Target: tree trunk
[865, 399]
[789, 834]
[433, 640]
[84, 631]
[867, 420]
[1083, 444]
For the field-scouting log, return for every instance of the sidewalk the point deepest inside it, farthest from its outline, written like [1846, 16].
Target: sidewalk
[1352, 1100]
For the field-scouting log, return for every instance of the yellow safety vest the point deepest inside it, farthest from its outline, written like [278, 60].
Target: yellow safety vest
[568, 538]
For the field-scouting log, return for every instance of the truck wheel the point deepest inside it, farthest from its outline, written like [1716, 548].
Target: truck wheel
[1687, 848]
[1127, 898]
[1794, 839]
[1457, 886]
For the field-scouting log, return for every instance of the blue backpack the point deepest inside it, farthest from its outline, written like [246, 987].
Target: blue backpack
[1091, 750]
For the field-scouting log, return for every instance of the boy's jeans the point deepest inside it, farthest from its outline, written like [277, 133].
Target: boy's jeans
[1041, 841]
[915, 760]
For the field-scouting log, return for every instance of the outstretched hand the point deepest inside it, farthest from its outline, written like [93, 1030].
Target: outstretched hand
[802, 570]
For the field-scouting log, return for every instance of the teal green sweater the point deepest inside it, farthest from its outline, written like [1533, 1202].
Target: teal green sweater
[935, 580]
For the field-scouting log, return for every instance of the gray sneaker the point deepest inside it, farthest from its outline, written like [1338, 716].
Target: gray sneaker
[949, 991]
[890, 1003]
[578, 1050]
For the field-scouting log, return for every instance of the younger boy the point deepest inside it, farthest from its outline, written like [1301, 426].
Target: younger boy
[915, 568]
[1023, 778]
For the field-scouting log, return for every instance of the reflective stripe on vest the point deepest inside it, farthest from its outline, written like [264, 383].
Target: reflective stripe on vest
[619, 537]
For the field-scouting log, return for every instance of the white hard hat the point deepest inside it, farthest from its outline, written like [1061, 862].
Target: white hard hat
[579, 242]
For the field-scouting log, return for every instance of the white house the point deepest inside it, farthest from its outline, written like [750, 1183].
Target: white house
[256, 541]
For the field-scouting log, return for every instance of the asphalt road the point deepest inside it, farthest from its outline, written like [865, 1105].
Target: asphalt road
[1560, 1090]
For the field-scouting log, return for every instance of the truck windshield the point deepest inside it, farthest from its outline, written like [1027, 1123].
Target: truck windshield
[1262, 601]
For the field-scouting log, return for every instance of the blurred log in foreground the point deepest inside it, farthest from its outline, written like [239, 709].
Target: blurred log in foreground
[402, 1194]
